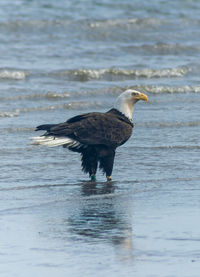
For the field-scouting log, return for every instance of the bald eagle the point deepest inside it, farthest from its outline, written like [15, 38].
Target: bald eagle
[94, 135]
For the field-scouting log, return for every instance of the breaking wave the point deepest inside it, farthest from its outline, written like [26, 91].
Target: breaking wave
[114, 90]
[146, 21]
[72, 105]
[159, 89]
[48, 95]
[110, 74]
[23, 24]
[167, 89]
[162, 48]
[9, 113]
[105, 23]
[16, 130]
[13, 74]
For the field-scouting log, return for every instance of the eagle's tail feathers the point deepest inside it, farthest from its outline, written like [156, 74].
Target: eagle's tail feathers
[52, 141]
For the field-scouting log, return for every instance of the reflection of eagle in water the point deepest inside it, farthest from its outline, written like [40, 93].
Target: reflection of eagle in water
[95, 135]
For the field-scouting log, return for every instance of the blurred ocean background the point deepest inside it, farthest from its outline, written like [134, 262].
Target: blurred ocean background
[62, 58]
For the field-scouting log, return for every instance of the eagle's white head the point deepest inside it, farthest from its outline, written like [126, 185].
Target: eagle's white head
[125, 102]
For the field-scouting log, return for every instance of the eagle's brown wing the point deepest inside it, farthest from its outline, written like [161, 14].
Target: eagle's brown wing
[95, 129]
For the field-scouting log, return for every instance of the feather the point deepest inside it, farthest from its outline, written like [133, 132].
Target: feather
[51, 141]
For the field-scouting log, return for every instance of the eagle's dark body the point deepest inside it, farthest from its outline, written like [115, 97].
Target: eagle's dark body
[95, 135]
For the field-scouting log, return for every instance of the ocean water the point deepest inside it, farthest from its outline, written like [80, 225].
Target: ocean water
[62, 58]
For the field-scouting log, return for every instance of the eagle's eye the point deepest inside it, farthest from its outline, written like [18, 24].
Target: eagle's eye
[135, 93]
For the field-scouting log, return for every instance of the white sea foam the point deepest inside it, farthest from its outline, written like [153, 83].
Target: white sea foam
[168, 89]
[68, 106]
[117, 73]
[13, 74]
[148, 21]
[9, 113]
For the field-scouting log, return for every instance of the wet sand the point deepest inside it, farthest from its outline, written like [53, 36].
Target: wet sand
[101, 229]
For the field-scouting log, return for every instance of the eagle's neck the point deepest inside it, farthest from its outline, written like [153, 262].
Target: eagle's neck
[125, 107]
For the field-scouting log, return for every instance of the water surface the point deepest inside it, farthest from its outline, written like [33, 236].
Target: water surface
[63, 58]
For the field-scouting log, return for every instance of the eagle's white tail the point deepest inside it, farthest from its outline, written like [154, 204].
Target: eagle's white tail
[52, 141]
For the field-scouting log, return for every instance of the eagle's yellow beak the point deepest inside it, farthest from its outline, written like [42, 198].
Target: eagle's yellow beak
[142, 96]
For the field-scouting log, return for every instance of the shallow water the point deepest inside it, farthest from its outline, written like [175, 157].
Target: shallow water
[64, 58]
